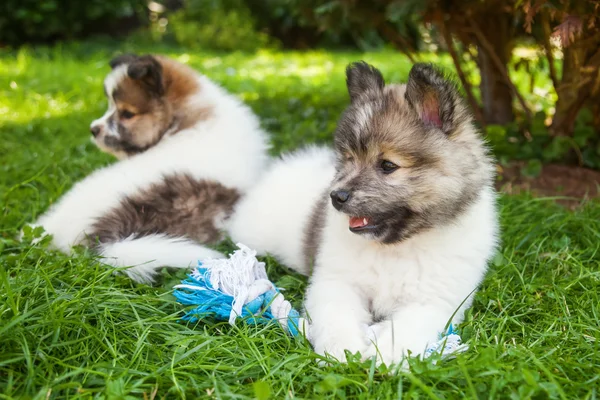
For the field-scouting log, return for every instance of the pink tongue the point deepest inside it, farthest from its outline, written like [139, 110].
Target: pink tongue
[358, 222]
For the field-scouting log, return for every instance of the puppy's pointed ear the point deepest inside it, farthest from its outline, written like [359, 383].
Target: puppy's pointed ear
[148, 70]
[122, 59]
[363, 81]
[433, 97]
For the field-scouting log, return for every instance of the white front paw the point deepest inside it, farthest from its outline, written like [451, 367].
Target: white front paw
[389, 349]
[385, 355]
[335, 343]
[385, 350]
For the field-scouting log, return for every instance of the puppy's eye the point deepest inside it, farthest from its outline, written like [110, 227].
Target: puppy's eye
[388, 167]
[126, 114]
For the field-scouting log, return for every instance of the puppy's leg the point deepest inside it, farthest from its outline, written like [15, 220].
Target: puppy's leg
[338, 316]
[146, 254]
[410, 329]
[69, 218]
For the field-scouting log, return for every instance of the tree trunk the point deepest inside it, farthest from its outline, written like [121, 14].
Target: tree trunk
[567, 105]
[496, 94]
[579, 77]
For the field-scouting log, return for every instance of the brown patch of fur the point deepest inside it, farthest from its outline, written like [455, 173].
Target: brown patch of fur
[178, 206]
[391, 153]
[152, 116]
[179, 79]
[131, 96]
[181, 83]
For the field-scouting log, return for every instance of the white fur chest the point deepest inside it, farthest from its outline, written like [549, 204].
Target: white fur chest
[442, 266]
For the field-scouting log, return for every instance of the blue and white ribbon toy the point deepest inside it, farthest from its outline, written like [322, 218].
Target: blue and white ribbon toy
[239, 287]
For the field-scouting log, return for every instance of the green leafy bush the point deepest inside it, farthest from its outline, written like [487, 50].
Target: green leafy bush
[250, 24]
[23, 21]
[216, 25]
[583, 148]
[338, 23]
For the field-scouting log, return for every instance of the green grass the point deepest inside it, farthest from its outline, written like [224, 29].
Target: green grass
[69, 328]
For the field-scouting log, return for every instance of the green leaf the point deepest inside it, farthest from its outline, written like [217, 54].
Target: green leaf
[530, 377]
[538, 125]
[332, 382]
[262, 390]
[498, 260]
[533, 169]
[496, 132]
[585, 117]
[557, 149]
[582, 134]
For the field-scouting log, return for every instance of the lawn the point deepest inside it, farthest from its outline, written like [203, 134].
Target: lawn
[69, 328]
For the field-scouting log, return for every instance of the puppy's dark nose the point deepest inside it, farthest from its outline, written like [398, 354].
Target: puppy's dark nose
[95, 130]
[339, 197]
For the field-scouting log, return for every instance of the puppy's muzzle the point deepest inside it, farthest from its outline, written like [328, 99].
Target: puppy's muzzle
[339, 197]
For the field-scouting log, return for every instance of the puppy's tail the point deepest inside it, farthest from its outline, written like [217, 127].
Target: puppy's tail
[143, 256]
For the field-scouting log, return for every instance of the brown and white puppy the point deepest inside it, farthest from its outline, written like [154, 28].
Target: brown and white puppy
[397, 223]
[188, 150]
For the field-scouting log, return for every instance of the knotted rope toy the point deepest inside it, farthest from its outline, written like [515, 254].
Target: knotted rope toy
[239, 287]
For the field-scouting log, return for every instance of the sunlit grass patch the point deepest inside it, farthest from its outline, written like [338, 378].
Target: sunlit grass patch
[70, 328]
